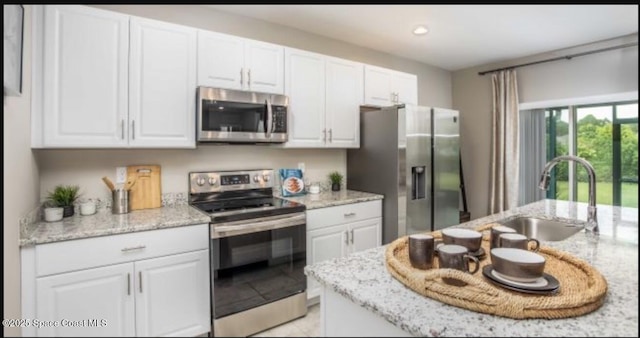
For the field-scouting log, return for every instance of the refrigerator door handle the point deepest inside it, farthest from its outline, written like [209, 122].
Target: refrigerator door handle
[418, 181]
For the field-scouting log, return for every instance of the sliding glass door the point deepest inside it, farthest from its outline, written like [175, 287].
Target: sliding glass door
[625, 155]
[606, 135]
[557, 120]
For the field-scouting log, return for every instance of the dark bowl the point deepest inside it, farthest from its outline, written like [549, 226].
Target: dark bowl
[470, 239]
[517, 264]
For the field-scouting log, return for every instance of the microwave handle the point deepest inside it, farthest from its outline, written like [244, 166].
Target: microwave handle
[269, 119]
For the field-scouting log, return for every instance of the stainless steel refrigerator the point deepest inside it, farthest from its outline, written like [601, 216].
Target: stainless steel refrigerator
[409, 154]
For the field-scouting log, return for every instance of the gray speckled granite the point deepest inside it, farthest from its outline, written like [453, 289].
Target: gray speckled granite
[332, 198]
[105, 223]
[175, 212]
[364, 279]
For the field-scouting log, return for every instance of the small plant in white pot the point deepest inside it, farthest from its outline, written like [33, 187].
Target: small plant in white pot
[63, 196]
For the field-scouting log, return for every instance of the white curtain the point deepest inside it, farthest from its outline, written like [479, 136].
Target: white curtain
[504, 142]
[533, 154]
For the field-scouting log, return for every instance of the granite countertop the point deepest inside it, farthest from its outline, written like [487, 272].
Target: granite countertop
[105, 223]
[34, 231]
[332, 198]
[363, 278]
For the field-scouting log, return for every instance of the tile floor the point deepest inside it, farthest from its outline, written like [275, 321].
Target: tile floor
[307, 326]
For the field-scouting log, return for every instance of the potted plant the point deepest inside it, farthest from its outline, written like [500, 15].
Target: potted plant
[63, 196]
[336, 179]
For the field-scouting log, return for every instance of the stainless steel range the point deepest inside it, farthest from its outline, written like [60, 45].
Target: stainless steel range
[258, 250]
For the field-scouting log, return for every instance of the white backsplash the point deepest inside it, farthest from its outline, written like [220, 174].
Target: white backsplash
[87, 167]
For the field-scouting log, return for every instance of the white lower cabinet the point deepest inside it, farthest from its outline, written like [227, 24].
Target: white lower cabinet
[101, 296]
[172, 295]
[153, 288]
[338, 231]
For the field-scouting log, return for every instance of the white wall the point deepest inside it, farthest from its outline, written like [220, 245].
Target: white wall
[87, 167]
[21, 182]
[606, 73]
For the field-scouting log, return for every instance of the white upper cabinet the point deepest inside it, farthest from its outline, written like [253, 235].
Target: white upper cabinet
[84, 77]
[325, 94]
[220, 60]
[305, 86]
[385, 87]
[226, 61]
[377, 86]
[405, 87]
[264, 63]
[108, 80]
[162, 84]
[343, 99]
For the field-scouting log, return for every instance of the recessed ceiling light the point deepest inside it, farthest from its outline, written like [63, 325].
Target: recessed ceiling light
[420, 30]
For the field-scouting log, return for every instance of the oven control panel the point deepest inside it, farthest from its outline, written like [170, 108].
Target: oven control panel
[234, 179]
[219, 181]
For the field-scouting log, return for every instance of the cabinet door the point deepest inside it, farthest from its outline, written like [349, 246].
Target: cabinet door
[220, 60]
[173, 295]
[264, 64]
[322, 244]
[365, 234]
[377, 86]
[344, 97]
[305, 86]
[86, 52]
[91, 296]
[406, 87]
[162, 84]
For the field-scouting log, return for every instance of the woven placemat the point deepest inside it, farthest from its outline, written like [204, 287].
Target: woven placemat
[582, 287]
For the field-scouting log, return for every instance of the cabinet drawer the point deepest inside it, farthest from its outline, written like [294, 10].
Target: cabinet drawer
[323, 217]
[98, 251]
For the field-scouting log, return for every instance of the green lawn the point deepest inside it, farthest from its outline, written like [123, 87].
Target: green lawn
[604, 193]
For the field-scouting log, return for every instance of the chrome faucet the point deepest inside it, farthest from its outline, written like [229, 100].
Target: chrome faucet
[592, 213]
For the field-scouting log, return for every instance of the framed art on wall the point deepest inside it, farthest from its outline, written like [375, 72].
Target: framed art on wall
[13, 30]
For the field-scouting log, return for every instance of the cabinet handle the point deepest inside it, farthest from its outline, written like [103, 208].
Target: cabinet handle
[324, 138]
[346, 237]
[351, 236]
[133, 129]
[349, 214]
[139, 247]
[140, 275]
[241, 76]
[397, 97]
[128, 284]
[249, 77]
[330, 134]
[122, 129]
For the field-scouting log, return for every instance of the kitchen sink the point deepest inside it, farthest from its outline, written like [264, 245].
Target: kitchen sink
[543, 229]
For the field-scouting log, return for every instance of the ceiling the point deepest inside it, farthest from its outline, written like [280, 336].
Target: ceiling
[460, 36]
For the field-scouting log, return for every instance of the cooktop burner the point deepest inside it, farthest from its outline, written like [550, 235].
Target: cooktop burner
[235, 210]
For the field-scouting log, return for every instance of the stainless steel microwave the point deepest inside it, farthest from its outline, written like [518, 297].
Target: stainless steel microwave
[234, 116]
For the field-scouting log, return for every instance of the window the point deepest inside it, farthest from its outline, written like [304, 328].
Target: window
[606, 135]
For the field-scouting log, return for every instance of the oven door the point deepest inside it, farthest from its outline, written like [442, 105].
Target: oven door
[237, 116]
[258, 261]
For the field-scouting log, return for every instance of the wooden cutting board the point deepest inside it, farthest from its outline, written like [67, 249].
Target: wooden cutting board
[146, 192]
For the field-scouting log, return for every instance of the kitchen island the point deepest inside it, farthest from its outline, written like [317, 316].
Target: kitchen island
[361, 298]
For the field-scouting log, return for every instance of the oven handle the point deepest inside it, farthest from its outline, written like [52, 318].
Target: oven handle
[263, 224]
[269, 119]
